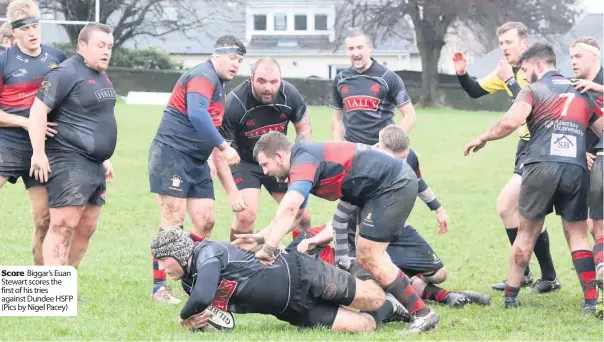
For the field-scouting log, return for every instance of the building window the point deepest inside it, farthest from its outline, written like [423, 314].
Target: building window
[320, 22]
[300, 22]
[260, 22]
[280, 22]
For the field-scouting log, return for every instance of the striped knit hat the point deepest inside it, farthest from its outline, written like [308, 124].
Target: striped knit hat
[172, 242]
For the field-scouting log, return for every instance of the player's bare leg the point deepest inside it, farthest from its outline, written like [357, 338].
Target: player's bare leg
[590, 226]
[38, 198]
[82, 234]
[508, 210]
[520, 256]
[304, 223]
[3, 181]
[353, 321]
[57, 244]
[244, 220]
[201, 212]
[373, 258]
[172, 211]
[583, 261]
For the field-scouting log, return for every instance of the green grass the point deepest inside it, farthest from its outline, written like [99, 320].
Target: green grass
[115, 276]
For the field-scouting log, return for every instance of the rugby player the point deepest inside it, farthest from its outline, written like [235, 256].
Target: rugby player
[74, 163]
[555, 166]
[262, 104]
[22, 68]
[364, 97]
[409, 252]
[508, 77]
[7, 39]
[178, 158]
[384, 188]
[585, 58]
[297, 288]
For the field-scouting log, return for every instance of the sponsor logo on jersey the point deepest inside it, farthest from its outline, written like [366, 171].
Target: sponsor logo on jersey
[258, 132]
[225, 291]
[361, 102]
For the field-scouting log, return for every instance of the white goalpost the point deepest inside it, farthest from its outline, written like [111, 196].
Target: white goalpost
[97, 17]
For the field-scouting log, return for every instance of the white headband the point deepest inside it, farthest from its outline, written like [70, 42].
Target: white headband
[588, 47]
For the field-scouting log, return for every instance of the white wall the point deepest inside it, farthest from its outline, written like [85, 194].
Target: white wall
[310, 65]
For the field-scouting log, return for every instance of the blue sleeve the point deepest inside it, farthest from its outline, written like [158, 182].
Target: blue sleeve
[302, 187]
[197, 107]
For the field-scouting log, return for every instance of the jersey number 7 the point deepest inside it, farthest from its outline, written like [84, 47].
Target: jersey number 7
[569, 98]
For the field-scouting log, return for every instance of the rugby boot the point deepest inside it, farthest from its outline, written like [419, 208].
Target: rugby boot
[400, 313]
[456, 299]
[477, 298]
[545, 286]
[526, 281]
[164, 295]
[511, 302]
[423, 323]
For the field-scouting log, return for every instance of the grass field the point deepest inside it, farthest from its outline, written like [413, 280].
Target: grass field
[115, 276]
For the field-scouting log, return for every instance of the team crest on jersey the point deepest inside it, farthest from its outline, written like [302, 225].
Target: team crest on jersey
[375, 89]
[361, 102]
[44, 86]
[345, 90]
[52, 65]
[250, 123]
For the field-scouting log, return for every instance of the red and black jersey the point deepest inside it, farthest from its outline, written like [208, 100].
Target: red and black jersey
[558, 121]
[348, 171]
[176, 128]
[594, 142]
[21, 76]
[368, 100]
[246, 119]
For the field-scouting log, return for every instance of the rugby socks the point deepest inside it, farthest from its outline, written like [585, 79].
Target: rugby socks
[195, 238]
[598, 254]
[512, 232]
[382, 313]
[344, 212]
[586, 270]
[435, 293]
[159, 277]
[511, 291]
[402, 290]
[541, 250]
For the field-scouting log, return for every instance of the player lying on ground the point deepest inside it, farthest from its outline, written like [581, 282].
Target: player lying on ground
[509, 77]
[555, 171]
[296, 288]
[384, 189]
[409, 252]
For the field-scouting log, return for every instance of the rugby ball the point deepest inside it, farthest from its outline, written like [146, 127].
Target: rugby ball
[218, 320]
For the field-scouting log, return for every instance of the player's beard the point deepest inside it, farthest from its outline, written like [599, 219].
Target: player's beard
[533, 77]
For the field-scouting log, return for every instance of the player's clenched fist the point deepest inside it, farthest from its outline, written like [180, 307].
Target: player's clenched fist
[231, 156]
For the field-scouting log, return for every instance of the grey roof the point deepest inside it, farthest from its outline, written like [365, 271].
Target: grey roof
[590, 24]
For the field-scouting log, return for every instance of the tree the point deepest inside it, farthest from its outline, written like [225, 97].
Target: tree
[132, 18]
[432, 20]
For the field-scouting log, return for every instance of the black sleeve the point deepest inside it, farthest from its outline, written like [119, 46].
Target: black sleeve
[202, 294]
[397, 90]
[423, 189]
[56, 86]
[233, 112]
[513, 86]
[296, 102]
[471, 86]
[336, 98]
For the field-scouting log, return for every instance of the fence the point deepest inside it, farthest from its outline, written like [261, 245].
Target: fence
[314, 91]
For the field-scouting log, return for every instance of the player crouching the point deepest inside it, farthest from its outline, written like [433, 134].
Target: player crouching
[296, 288]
